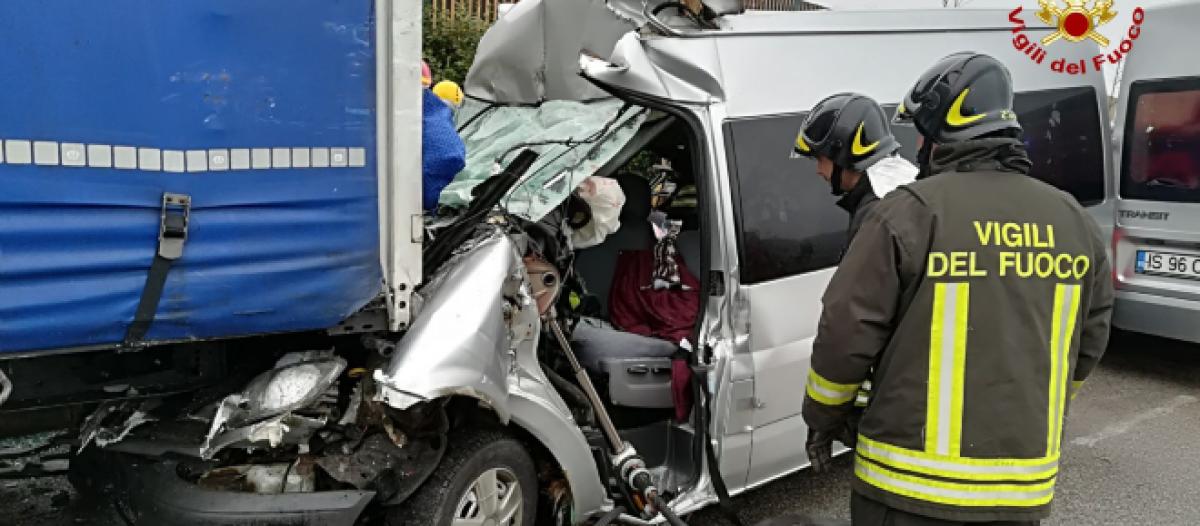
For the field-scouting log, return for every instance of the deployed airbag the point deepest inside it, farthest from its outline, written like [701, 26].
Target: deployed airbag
[605, 198]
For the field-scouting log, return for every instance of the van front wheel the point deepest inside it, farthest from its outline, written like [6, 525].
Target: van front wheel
[486, 479]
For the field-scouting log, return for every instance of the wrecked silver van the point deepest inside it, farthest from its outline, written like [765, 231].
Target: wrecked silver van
[621, 290]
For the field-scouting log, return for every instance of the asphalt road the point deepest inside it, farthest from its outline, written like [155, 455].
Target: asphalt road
[1132, 456]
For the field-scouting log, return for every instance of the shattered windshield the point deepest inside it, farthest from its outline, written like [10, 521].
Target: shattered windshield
[573, 140]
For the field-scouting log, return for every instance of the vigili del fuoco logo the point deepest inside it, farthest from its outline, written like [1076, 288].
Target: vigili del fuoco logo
[1075, 21]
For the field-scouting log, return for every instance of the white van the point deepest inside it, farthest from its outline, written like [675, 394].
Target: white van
[1156, 242]
[776, 233]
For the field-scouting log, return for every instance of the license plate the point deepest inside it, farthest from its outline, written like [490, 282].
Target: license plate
[1175, 265]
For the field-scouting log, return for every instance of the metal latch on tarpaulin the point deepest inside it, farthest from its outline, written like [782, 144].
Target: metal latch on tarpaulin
[172, 234]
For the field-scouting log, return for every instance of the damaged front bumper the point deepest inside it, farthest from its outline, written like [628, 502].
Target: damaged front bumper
[154, 491]
[366, 431]
[281, 451]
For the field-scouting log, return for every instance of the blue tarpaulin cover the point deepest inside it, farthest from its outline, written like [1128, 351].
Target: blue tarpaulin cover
[262, 112]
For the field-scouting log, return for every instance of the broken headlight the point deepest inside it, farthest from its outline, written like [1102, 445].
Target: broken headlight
[295, 383]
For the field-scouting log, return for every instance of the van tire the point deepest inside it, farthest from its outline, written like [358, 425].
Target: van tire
[470, 454]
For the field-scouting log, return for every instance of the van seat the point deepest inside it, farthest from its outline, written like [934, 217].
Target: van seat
[637, 368]
[688, 245]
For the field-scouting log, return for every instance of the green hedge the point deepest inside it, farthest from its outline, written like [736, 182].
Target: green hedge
[449, 45]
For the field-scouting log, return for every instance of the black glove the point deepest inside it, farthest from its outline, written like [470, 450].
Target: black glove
[820, 449]
[849, 435]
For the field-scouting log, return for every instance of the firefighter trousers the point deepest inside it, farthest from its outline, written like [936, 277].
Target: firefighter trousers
[867, 512]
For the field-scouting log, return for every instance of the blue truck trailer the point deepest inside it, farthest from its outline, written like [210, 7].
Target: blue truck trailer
[192, 171]
[247, 146]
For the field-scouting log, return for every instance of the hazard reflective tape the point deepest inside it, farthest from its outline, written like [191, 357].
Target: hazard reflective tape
[1075, 386]
[827, 392]
[79, 155]
[957, 467]
[947, 364]
[955, 494]
[1062, 332]
[864, 394]
[861, 399]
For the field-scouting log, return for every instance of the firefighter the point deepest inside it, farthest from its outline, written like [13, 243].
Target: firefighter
[849, 137]
[982, 298]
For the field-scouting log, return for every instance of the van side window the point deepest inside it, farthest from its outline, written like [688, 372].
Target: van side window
[1161, 158]
[787, 221]
[1062, 135]
[1064, 140]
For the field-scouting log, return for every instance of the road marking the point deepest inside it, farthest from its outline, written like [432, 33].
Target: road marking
[1121, 428]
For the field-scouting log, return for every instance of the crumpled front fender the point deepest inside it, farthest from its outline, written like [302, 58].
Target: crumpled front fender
[476, 335]
[460, 342]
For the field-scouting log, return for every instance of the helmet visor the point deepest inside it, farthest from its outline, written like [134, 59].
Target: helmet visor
[926, 89]
[815, 130]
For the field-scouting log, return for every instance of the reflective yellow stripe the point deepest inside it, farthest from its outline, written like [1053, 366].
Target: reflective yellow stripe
[954, 467]
[1052, 420]
[947, 361]
[1062, 331]
[827, 392]
[935, 361]
[955, 117]
[960, 364]
[1075, 386]
[955, 494]
[864, 394]
[801, 145]
[1068, 335]
[862, 398]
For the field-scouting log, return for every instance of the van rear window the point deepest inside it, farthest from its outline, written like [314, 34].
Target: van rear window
[1161, 157]
[1064, 138]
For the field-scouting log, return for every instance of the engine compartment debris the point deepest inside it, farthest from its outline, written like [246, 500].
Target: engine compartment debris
[296, 477]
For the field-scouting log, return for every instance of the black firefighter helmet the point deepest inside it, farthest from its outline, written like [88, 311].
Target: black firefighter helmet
[851, 130]
[964, 96]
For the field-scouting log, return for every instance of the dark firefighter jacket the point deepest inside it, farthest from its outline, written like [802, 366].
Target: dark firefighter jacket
[982, 297]
[857, 202]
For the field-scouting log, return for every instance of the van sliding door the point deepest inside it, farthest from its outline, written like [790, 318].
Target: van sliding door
[790, 238]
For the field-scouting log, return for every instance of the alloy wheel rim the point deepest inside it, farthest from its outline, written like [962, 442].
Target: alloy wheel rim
[493, 499]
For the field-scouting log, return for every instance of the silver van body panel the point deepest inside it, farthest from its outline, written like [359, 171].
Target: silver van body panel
[531, 54]
[631, 67]
[459, 342]
[1161, 306]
